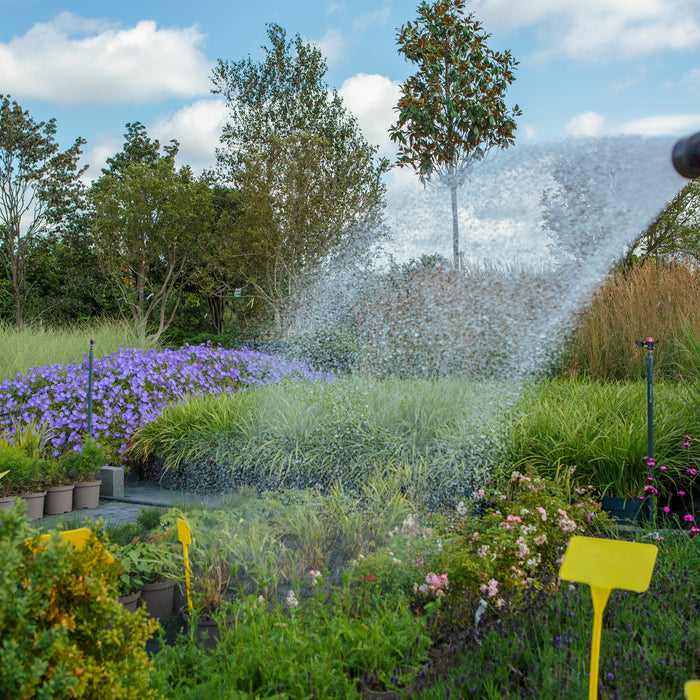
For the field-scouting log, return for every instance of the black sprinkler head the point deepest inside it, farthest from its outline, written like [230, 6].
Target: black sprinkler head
[686, 156]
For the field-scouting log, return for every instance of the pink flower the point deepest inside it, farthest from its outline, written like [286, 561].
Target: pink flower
[692, 472]
[543, 513]
[540, 539]
[491, 589]
[662, 468]
[681, 493]
[688, 518]
[666, 509]
[514, 519]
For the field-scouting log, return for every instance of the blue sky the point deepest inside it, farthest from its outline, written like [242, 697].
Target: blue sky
[587, 67]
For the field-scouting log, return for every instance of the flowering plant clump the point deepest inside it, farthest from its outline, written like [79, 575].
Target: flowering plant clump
[131, 388]
[517, 541]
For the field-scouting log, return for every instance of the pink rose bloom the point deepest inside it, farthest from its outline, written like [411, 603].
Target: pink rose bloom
[491, 589]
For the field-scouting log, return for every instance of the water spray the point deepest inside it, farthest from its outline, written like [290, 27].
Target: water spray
[649, 344]
[686, 156]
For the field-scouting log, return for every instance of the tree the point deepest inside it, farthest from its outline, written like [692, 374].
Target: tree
[150, 221]
[452, 111]
[674, 234]
[308, 183]
[40, 190]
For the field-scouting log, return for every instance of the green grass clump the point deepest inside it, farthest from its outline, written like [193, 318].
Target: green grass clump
[436, 437]
[601, 431]
[40, 346]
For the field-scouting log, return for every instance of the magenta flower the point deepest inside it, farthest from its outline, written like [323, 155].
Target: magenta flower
[689, 518]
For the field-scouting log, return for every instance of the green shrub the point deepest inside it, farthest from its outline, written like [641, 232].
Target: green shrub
[599, 431]
[84, 464]
[323, 647]
[62, 631]
[21, 474]
[331, 347]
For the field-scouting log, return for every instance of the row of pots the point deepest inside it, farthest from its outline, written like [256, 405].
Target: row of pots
[58, 499]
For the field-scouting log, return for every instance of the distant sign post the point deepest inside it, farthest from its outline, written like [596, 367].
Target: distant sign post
[604, 565]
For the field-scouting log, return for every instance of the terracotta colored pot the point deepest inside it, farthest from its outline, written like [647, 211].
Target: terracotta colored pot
[59, 499]
[86, 495]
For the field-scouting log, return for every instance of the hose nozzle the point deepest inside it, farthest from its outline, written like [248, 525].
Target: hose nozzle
[686, 156]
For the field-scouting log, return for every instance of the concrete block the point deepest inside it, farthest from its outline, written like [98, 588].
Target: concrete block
[112, 482]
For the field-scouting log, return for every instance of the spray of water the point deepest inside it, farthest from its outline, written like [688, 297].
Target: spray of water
[541, 227]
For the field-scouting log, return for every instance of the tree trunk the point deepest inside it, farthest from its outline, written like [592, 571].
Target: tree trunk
[19, 318]
[455, 228]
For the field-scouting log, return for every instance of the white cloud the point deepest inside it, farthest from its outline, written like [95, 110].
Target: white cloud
[77, 60]
[371, 98]
[593, 30]
[331, 45]
[585, 125]
[672, 125]
[197, 127]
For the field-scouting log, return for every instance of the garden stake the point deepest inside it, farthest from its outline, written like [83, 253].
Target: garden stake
[89, 417]
[649, 344]
[604, 565]
[78, 538]
[692, 690]
[185, 536]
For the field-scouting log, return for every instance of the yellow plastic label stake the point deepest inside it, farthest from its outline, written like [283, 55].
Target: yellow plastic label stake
[185, 536]
[692, 690]
[604, 565]
[77, 538]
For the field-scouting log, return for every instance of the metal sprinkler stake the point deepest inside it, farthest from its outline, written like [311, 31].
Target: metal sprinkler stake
[649, 344]
[89, 396]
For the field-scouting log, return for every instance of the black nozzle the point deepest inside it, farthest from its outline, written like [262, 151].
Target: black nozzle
[686, 156]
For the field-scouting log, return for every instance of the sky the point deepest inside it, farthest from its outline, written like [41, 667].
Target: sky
[587, 68]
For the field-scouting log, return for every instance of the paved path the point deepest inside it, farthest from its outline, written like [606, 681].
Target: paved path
[138, 495]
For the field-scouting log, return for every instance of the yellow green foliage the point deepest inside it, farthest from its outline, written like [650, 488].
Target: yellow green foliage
[63, 633]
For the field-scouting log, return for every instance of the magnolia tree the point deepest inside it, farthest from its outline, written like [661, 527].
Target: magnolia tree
[452, 111]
